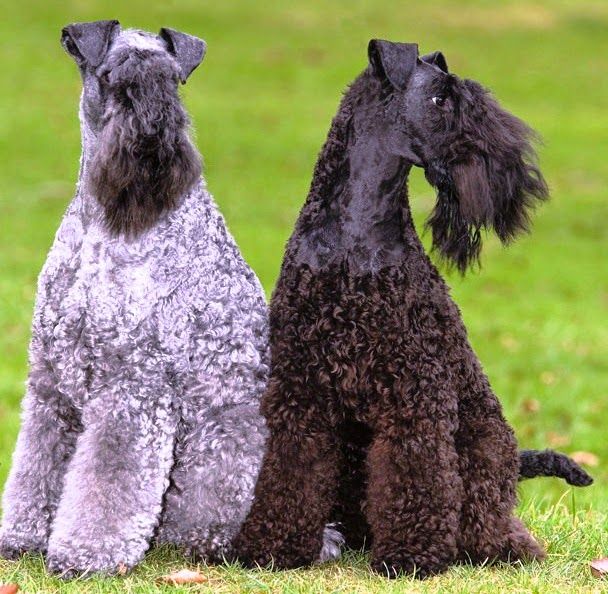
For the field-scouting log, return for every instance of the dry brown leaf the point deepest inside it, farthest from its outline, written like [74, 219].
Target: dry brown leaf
[599, 567]
[183, 576]
[530, 405]
[9, 588]
[557, 440]
[586, 458]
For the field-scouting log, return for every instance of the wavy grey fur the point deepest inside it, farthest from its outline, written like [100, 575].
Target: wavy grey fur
[147, 360]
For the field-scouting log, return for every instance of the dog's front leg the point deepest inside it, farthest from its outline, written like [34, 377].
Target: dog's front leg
[115, 482]
[216, 466]
[45, 444]
[414, 496]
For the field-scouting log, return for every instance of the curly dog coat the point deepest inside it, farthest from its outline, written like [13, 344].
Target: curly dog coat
[148, 352]
[380, 415]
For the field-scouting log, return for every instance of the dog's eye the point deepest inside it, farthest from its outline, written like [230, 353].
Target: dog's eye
[439, 100]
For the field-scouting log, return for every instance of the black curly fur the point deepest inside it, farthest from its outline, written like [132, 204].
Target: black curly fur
[533, 463]
[379, 412]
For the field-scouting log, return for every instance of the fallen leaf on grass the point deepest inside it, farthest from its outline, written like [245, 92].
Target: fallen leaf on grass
[530, 405]
[586, 458]
[183, 576]
[556, 440]
[599, 568]
[9, 588]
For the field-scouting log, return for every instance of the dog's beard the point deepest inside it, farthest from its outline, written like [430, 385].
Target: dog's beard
[457, 240]
[145, 160]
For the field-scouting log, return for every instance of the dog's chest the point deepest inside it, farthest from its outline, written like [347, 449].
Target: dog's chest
[354, 329]
[102, 301]
[118, 284]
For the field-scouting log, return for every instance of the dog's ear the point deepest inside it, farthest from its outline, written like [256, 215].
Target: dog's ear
[88, 43]
[488, 177]
[393, 62]
[436, 59]
[145, 160]
[187, 49]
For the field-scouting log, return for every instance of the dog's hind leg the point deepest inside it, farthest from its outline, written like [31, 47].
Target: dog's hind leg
[414, 496]
[212, 482]
[44, 447]
[222, 432]
[111, 502]
[294, 494]
[489, 467]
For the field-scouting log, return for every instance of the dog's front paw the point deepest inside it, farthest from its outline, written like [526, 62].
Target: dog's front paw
[208, 553]
[71, 562]
[12, 546]
[207, 544]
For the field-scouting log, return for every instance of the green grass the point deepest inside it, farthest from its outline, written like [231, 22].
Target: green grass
[261, 105]
[572, 538]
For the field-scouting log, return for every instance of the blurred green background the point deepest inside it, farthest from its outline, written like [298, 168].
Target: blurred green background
[261, 104]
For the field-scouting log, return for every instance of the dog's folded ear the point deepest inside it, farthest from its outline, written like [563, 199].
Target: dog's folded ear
[188, 50]
[436, 59]
[393, 62]
[88, 43]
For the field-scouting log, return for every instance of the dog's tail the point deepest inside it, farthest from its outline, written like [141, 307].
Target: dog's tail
[533, 463]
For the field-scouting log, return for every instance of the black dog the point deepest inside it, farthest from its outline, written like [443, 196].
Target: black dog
[379, 411]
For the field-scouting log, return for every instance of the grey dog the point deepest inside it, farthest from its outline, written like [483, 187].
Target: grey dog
[148, 353]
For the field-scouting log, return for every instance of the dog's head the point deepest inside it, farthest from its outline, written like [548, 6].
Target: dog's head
[480, 157]
[144, 160]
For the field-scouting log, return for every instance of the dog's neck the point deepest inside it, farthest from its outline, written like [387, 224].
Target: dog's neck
[357, 213]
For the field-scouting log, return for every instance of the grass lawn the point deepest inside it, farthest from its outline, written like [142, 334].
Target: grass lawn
[261, 104]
